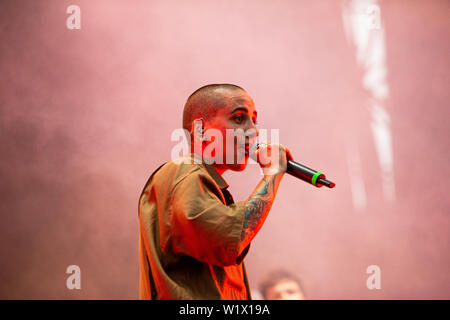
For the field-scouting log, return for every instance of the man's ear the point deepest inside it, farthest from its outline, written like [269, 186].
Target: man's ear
[198, 127]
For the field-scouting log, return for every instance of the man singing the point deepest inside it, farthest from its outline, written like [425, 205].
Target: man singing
[193, 237]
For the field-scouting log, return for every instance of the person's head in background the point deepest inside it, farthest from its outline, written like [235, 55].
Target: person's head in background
[281, 285]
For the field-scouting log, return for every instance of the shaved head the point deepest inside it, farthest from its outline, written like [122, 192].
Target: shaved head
[228, 127]
[205, 101]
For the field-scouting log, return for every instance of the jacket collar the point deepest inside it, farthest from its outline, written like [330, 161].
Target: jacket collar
[211, 170]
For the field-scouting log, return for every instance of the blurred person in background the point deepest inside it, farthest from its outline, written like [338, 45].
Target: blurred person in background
[281, 285]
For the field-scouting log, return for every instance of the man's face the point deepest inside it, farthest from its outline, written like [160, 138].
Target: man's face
[238, 117]
[285, 290]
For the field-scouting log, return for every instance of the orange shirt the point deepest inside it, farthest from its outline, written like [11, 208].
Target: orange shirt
[190, 231]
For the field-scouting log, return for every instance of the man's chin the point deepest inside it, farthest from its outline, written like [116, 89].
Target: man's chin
[239, 166]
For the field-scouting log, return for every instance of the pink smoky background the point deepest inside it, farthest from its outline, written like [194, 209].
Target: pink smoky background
[358, 90]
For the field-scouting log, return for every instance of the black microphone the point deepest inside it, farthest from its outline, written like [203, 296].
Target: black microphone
[309, 175]
[306, 174]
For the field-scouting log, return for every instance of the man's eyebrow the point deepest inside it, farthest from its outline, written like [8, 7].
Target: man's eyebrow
[240, 108]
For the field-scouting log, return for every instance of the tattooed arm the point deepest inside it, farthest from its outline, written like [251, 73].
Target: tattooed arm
[258, 207]
[259, 203]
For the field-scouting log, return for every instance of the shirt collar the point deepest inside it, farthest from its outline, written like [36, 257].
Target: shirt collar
[212, 171]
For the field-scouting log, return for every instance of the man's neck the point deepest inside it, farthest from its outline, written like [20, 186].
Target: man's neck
[220, 168]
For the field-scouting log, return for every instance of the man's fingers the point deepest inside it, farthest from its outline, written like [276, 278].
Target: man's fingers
[289, 155]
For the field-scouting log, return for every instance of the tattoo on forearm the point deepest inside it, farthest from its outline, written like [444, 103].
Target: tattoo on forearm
[263, 190]
[256, 210]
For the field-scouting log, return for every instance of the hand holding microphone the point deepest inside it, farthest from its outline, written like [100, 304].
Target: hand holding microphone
[272, 158]
[262, 153]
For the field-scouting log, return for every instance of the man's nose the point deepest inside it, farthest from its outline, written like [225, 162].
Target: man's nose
[252, 131]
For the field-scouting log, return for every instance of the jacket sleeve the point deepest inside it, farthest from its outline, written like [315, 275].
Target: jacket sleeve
[202, 226]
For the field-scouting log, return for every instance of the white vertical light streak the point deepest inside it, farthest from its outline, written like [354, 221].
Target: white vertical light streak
[362, 22]
[356, 181]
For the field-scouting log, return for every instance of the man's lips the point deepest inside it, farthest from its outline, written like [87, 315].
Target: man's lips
[244, 149]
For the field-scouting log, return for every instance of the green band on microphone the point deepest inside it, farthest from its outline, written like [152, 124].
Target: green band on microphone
[314, 178]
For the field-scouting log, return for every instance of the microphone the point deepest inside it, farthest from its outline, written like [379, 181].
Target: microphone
[316, 178]
[309, 175]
